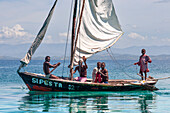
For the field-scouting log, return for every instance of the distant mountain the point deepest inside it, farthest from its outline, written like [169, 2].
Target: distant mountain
[97, 57]
[58, 50]
[127, 57]
[150, 50]
[19, 51]
[8, 58]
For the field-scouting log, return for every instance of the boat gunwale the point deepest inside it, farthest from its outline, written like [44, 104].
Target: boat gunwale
[127, 82]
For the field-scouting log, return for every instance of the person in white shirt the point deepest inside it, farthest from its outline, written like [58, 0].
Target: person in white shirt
[96, 77]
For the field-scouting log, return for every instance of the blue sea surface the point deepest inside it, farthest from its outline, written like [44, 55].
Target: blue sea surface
[16, 98]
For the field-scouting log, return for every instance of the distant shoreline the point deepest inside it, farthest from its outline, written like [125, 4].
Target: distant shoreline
[97, 57]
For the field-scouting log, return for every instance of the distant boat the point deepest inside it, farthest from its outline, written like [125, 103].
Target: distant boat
[95, 28]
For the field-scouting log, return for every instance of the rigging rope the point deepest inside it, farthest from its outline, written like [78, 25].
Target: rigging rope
[136, 69]
[118, 62]
[67, 38]
[79, 39]
[114, 59]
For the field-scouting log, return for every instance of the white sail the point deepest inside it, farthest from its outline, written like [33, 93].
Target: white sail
[99, 30]
[38, 39]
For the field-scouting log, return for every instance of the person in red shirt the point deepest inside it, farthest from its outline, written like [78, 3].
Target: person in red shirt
[96, 73]
[143, 63]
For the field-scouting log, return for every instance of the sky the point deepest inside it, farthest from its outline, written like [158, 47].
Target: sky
[144, 22]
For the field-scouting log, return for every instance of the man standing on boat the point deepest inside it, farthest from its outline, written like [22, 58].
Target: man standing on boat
[46, 67]
[96, 73]
[104, 73]
[82, 69]
[143, 63]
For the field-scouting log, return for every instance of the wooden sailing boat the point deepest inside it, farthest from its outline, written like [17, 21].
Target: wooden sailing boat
[95, 28]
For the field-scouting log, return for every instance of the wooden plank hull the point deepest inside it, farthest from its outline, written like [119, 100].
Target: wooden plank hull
[38, 83]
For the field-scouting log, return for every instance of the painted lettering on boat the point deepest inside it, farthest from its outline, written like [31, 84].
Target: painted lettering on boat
[56, 84]
[41, 81]
[51, 83]
[71, 87]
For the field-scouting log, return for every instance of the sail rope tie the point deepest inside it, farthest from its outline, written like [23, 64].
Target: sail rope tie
[114, 59]
[67, 39]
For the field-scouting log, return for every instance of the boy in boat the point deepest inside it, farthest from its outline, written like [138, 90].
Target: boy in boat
[82, 69]
[96, 73]
[104, 73]
[46, 67]
[143, 63]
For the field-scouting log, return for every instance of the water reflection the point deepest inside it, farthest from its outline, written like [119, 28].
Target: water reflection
[82, 102]
[144, 102]
[101, 103]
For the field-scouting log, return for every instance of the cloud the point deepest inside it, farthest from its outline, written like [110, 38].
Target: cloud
[16, 31]
[136, 36]
[15, 35]
[12, 33]
[65, 34]
[134, 26]
[166, 39]
[59, 40]
[49, 39]
[129, 26]
[162, 1]
[154, 38]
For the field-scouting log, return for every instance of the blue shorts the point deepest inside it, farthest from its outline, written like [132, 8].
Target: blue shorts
[106, 82]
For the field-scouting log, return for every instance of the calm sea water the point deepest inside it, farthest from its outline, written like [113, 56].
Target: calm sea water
[16, 98]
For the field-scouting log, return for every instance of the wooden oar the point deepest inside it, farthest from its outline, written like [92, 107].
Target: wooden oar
[156, 78]
[162, 78]
[54, 68]
[139, 75]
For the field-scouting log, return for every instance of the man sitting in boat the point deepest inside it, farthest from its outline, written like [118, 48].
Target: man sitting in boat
[46, 67]
[104, 73]
[96, 73]
[143, 63]
[82, 69]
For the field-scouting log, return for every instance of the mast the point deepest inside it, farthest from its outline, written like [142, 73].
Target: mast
[73, 37]
[74, 48]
